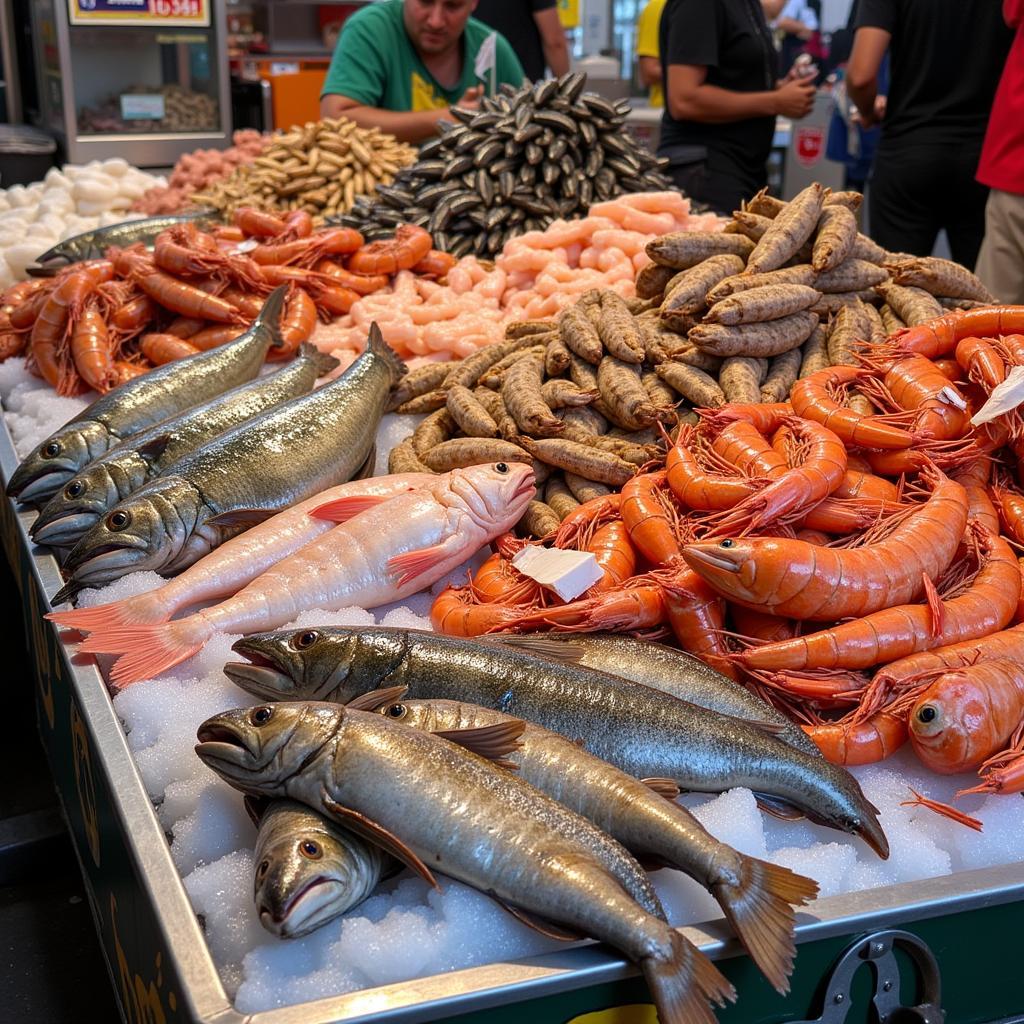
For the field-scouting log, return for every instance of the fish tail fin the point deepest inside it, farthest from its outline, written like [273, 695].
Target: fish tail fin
[147, 651]
[684, 985]
[323, 362]
[760, 909]
[134, 611]
[270, 315]
[376, 344]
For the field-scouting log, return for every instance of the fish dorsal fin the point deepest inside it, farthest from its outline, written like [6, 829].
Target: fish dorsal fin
[490, 741]
[241, 517]
[778, 808]
[341, 510]
[379, 836]
[538, 924]
[256, 807]
[560, 650]
[154, 447]
[376, 699]
[663, 787]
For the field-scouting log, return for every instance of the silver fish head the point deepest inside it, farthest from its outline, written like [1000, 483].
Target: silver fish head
[257, 750]
[149, 530]
[53, 462]
[496, 493]
[294, 664]
[308, 871]
[79, 505]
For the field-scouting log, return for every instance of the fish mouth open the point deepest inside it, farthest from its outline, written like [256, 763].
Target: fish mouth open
[528, 486]
[34, 486]
[96, 562]
[63, 530]
[258, 674]
[221, 742]
[309, 908]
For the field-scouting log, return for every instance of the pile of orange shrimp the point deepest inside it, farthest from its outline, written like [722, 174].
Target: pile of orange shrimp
[535, 275]
[858, 571]
[99, 323]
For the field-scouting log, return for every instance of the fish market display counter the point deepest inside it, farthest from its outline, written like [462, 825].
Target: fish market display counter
[955, 943]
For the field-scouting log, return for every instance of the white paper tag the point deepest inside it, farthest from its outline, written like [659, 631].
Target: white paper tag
[1005, 398]
[142, 106]
[567, 573]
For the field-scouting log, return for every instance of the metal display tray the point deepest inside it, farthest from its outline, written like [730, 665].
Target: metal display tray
[162, 971]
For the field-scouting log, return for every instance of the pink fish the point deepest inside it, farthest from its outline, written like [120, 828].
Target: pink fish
[381, 555]
[240, 560]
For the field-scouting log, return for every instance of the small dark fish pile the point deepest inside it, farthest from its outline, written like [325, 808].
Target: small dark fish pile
[527, 157]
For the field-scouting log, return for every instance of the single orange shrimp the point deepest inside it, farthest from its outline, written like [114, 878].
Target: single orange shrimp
[589, 515]
[297, 224]
[361, 284]
[165, 348]
[939, 336]
[863, 742]
[92, 351]
[410, 245]
[981, 361]
[210, 337]
[610, 545]
[623, 610]
[697, 489]
[796, 490]
[435, 264]
[812, 399]
[498, 580]
[456, 612]
[309, 250]
[967, 715]
[645, 516]
[915, 384]
[297, 323]
[742, 445]
[184, 299]
[944, 809]
[802, 581]
[895, 632]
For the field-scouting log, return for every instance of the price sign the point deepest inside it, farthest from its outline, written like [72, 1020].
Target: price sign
[139, 12]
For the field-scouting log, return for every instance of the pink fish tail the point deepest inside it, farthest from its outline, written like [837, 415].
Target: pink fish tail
[148, 650]
[132, 611]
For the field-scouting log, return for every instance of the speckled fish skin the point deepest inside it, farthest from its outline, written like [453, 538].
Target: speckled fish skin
[645, 733]
[92, 245]
[663, 668]
[143, 401]
[90, 494]
[268, 464]
[309, 870]
[501, 835]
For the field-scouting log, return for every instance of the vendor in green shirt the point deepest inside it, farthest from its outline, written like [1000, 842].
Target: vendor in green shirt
[401, 65]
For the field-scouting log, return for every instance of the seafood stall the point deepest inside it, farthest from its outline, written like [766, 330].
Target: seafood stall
[353, 551]
[117, 80]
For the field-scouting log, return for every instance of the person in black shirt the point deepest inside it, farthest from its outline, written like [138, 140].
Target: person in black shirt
[945, 60]
[721, 98]
[534, 30]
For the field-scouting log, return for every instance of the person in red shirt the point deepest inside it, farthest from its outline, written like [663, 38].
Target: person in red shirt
[1001, 260]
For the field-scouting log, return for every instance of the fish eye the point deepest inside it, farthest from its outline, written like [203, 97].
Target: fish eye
[927, 714]
[118, 520]
[725, 543]
[501, 467]
[396, 711]
[306, 639]
[74, 489]
[309, 848]
[261, 715]
[52, 450]
[263, 868]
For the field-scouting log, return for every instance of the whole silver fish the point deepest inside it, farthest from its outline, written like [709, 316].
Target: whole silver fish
[243, 476]
[94, 244]
[663, 668]
[143, 401]
[755, 896]
[90, 494]
[309, 870]
[440, 805]
[646, 733]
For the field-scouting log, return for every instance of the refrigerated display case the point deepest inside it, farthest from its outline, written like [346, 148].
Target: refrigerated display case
[143, 79]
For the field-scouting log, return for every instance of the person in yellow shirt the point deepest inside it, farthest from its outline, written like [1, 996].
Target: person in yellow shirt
[647, 54]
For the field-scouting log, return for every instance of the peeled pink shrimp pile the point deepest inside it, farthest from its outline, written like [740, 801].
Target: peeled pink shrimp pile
[535, 275]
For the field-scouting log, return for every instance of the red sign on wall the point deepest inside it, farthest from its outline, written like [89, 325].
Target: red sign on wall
[139, 12]
[810, 144]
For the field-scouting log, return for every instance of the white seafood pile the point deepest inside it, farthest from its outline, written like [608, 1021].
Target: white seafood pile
[67, 202]
[407, 930]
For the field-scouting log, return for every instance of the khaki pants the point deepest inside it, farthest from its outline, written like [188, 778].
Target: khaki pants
[1001, 260]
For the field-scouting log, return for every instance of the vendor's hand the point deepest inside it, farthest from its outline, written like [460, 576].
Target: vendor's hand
[794, 99]
[470, 99]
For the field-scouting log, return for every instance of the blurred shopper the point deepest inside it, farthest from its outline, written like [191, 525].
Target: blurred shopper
[798, 23]
[1001, 261]
[718, 63]
[534, 30]
[648, 53]
[945, 59]
[401, 65]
